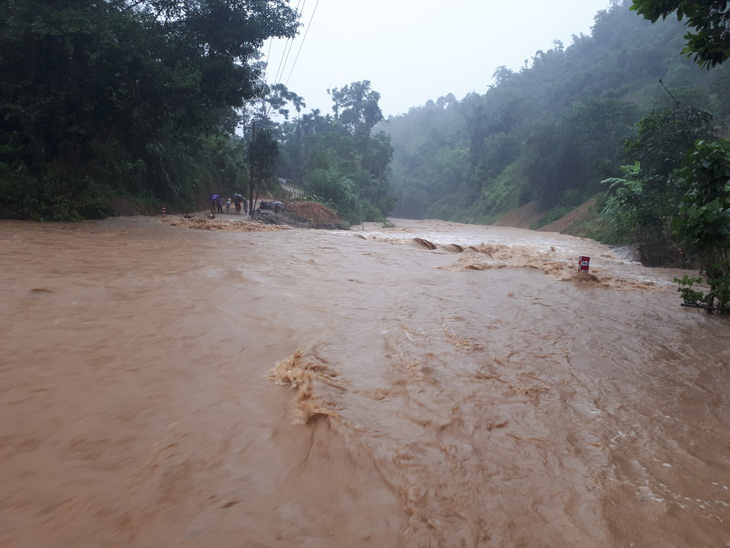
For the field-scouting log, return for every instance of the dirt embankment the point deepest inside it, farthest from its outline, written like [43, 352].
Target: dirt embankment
[266, 218]
[522, 217]
[529, 215]
[571, 219]
[301, 214]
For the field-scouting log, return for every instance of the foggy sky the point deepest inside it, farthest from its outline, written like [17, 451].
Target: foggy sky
[416, 50]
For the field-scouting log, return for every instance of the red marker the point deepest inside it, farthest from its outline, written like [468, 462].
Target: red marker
[583, 263]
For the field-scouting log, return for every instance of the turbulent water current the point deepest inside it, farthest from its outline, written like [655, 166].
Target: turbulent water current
[431, 384]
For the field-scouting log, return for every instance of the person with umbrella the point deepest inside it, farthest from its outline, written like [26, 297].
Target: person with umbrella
[213, 202]
[238, 200]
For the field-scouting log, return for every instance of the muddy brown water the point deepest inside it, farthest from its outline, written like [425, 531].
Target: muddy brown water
[432, 384]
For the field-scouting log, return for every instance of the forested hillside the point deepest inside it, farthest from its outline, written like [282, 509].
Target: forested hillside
[553, 130]
[106, 99]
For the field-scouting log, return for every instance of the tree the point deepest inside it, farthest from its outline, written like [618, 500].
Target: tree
[710, 19]
[703, 226]
[626, 203]
[664, 137]
[644, 204]
[263, 153]
[356, 107]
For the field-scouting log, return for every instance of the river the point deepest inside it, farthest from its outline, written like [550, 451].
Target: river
[432, 384]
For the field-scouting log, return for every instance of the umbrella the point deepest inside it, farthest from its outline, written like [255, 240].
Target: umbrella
[237, 195]
[213, 197]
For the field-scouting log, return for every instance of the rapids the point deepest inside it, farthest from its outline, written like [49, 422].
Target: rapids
[432, 384]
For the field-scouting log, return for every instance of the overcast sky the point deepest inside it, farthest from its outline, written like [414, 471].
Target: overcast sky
[416, 50]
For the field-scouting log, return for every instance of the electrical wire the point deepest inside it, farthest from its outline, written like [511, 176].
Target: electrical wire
[268, 55]
[285, 54]
[287, 46]
[291, 45]
[309, 26]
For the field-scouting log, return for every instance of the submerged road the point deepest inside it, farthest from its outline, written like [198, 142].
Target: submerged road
[432, 384]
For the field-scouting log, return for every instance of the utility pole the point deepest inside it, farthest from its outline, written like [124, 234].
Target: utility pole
[251, 165]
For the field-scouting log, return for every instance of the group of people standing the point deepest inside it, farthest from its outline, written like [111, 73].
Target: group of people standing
[239, 202]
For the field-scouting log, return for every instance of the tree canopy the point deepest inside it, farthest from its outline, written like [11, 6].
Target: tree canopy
[125, 97]
[709, 42]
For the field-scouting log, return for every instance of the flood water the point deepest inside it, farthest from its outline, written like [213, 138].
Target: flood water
[432, 384]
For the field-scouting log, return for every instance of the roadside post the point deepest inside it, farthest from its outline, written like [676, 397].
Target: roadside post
[583, 264]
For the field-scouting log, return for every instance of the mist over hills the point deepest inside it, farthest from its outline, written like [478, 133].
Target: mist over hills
[553, 130]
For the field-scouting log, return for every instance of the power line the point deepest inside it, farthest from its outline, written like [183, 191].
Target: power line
[309, 26]
[268, 56]
[291, 45]
[286, 53]
[288, 44]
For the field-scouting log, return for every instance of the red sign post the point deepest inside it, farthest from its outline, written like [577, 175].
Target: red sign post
[583, 263]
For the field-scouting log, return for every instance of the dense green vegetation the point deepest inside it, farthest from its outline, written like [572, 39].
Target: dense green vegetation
[109, 99]
[553, 130]
[338, 159]
[709, 40]
[702, 228]
[107, 103]
[644, 205]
